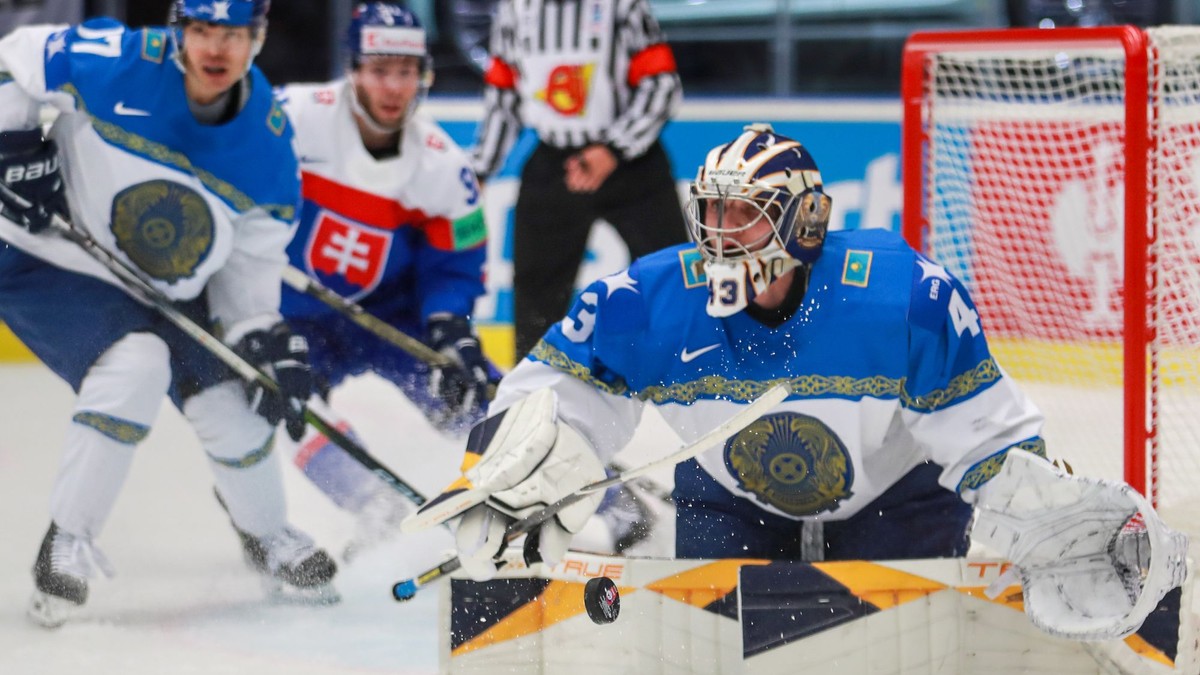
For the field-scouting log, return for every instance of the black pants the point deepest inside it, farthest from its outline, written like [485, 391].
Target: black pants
[552, 224]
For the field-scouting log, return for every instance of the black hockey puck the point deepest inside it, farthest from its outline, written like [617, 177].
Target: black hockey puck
[602, 601]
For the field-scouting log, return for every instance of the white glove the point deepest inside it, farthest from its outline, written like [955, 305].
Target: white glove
[516, 462]
[1093, 557]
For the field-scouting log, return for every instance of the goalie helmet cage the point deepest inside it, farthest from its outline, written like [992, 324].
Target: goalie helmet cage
[1057, 174]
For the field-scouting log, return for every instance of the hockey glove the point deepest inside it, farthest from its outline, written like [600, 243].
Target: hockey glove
[516, 462]
[462, 387]
[1092, 556]
[283, 357]
[31, 191]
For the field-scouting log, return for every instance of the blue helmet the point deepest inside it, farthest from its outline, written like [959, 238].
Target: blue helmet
[774, 179]
[385, 28]
[251, 13]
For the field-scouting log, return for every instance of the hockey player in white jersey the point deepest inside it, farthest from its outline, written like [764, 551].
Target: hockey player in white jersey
[899, 419]
[392, 219]
[171, 151]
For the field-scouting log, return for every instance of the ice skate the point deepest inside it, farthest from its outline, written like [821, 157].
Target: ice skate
[378, 521]
[60, 575]
[293, 569]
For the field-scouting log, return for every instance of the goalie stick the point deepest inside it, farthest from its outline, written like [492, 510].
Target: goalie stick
[406, 589]
[140, 289]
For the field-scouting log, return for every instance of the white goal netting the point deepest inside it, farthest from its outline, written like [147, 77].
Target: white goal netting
[1031, 156]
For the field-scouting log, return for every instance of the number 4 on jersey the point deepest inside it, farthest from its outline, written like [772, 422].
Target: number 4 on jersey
[963, 317]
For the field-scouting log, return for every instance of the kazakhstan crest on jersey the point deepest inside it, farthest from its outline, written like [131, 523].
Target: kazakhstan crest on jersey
[165, 228]
[792, 462]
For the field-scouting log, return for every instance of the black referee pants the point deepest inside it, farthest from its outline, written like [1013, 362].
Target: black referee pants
[551, 227]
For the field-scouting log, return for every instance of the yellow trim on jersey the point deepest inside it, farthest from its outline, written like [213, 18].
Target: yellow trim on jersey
[808, 386]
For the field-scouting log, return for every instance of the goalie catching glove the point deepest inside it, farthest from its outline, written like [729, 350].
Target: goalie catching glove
[516, 462]
[1092, 556]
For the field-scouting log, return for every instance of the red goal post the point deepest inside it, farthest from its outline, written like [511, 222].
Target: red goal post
[1057, 172]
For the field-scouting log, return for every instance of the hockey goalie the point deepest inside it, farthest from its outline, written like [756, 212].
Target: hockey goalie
[899, 426]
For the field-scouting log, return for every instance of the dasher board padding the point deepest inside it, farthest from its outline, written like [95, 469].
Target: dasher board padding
[759, 617]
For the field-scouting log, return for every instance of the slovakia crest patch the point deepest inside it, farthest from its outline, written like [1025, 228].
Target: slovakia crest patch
[347, 256]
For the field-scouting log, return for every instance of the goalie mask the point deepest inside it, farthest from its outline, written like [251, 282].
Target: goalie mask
[383, 29]
[755, 211]
[252, 13]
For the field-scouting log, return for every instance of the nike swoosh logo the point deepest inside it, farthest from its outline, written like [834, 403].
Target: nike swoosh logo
[120, 109]
[688, 357]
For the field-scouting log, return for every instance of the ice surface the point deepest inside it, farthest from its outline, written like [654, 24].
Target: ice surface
[182, 601]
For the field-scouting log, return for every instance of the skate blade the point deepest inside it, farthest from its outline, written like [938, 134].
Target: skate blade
[50, 611]
[280, 593]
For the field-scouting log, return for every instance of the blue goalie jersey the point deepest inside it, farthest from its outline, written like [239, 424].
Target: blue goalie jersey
[885, 357]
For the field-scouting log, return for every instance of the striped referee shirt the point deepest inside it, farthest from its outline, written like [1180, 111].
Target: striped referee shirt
[578, 72]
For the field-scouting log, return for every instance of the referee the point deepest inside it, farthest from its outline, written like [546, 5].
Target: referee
[597, 82]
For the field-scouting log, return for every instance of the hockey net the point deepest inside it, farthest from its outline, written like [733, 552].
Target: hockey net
[1057, 173]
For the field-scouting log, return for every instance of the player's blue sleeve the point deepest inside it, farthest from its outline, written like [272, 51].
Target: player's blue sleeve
[599, 340]
[450, 255]
[449, 281]
[74, 54]
[960, 404]
[949, 356]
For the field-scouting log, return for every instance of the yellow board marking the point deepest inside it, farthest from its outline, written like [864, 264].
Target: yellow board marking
[11, 349]
[881, 586]
[703, 585]
[561, 600]
[498, 342]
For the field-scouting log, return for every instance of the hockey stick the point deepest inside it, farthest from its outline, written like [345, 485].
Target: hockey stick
[647, 485]
[381, 329]
[140, 289]
[406, 589]
[300, 281]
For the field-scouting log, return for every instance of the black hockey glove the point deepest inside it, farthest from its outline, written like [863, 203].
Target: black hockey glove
[284, 357]
[463, 386]
[31, 187]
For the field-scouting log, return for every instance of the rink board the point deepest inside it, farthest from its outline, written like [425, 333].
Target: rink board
[754, 616]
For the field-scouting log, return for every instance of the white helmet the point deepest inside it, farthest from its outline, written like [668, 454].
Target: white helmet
[779, 178]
